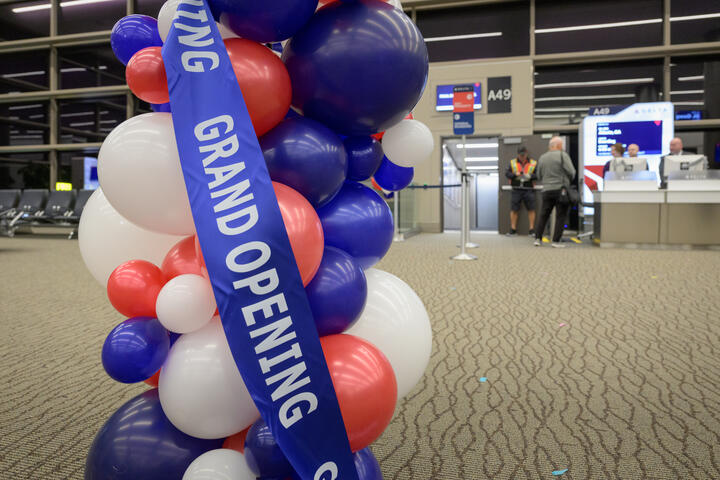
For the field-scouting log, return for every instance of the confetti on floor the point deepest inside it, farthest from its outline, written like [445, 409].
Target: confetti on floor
[562, 325]
[557, 473]
[653, 277]
[483, 379]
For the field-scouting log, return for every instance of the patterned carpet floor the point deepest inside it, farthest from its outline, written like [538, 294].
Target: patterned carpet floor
[603, 362]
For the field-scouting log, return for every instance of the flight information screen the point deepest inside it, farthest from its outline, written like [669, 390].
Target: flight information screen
[646, 134]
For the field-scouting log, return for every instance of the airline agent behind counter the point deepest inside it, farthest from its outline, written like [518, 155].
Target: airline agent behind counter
[521, 173]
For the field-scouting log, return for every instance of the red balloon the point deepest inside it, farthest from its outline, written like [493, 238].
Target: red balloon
[365, 386]
[181, 259]
[264, 82]
[237, 441]
[133, 288]
[145, 75]
[303, 229]
[153, 381]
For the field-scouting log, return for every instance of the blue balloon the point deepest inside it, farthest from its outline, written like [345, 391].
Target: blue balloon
[133, 33]
[364, 157]
[366, 465]
[263, 454]
[307, 156]
[337, 292]
[264, 21]
[358, 67]
[160, 107]
[359, 222]
[138, 442]
[393, 177]
[135, 349]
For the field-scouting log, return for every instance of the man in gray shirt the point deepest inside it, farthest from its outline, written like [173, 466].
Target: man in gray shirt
[555, 171]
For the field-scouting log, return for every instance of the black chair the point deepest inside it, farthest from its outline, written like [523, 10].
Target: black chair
[59, 204]
[80, 201]
[8, 201]
[74, 217]
[29, 207]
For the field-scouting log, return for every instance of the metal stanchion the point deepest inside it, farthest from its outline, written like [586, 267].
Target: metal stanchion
[397, 236]
[464, 212]
[468, 243]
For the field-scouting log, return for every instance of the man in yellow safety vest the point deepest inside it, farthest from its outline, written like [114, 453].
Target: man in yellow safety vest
[521, 173]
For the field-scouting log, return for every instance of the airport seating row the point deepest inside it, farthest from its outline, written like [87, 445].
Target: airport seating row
[41, 208]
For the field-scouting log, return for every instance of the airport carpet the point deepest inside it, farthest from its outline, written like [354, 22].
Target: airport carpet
[582, 363]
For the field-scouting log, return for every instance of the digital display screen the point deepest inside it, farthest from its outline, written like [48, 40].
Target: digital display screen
[646, 134]
[688, 115]
[444, 101]
[90, 180]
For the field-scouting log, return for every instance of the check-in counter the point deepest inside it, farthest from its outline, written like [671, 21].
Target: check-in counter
[628, 209]
[691, 214]
[632, 210]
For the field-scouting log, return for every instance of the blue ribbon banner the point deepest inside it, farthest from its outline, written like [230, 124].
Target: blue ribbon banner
[262, 302]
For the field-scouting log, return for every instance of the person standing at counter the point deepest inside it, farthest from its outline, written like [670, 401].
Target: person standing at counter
[555, 171]
[617, 151]
[633, 150]
[521, 173]
[676, 148]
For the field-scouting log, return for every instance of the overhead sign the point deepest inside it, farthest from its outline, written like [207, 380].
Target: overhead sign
[445, 96]
[463, 110]
[611, 110]
[499, 94]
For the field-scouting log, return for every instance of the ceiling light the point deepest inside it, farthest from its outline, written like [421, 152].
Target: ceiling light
[23, 107]
[463, 37]
[692, 78]
[555, 115]
[483, 167]
[585, 97]
[597, 83]
[477, 145]
[563, 109]
[694, 17]
[599, 26]
[77, 114]
[481, 159]
[687, 92]
[24, 74]
[46, 6]
[73, 69]
[688, 103]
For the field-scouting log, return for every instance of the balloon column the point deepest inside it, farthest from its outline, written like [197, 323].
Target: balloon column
[352, 72]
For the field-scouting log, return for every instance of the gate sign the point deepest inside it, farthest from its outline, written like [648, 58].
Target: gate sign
[499, 95]
[463, 110]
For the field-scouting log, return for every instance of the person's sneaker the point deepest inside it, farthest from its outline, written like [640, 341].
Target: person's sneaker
[531, 233]
[558, 245]
[511, 233]
[537, 243]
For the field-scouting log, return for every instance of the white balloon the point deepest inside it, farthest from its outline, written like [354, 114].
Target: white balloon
[220, 464]
[185, 303]
[165, 17]
[107, 239]
[408, 143]
[201, 390]
[396, 322]
[139, 171]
